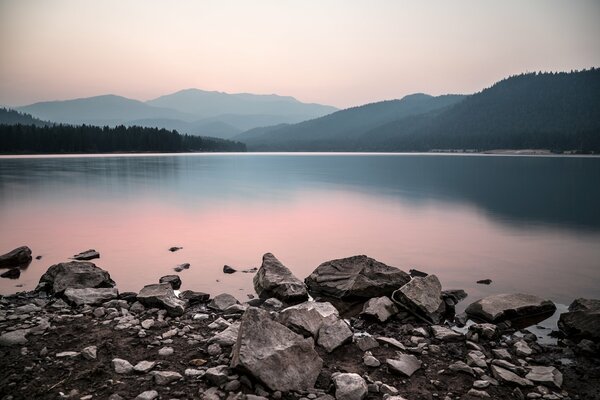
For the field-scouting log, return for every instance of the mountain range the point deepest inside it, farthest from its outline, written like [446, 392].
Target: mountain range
[191, 111]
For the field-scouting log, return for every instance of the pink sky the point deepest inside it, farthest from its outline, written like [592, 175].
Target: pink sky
[336, 52]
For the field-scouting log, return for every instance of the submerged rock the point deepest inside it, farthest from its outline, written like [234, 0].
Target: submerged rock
[508, 376]
[74, 275]
[501, 307]
[173, 280]
[19, 257]
[162, 295]
[582, 321]
[274, 279]
[90, 296]
[422, 296]
[355, 277]
[86, 255]
[273, 354]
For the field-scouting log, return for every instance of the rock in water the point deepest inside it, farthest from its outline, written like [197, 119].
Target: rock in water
[173, 280]
[349, 387]
[274, 279]
[13, 273]
[358, 277]
[86, 255]
[273, 354]
[500, 307]
[381, 308]
[19, 257]
[582, 321]
[422, 296]
[228, 270]
[90, 296]
[75, 275]
[161, 295]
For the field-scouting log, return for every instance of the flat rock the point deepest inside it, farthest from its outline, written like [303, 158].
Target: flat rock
[274, 279]
[366, 342]
[358, 277]
[122, 366]
[333, 333]
[446, 334]
[582, 321]
[460, 366]
[381, 308]
[306, 318]
[406, 364]
[86, 255]
[165, 377]
[500, 307]
[222, 301]
[161, 295]
[505, 375]
[19, 257]
[14, 338]
[547, 376]
[91, 296]
[421, 294]
[275, 355]
[173, 280]
[74, 275]
[144, 366]
[350, 386]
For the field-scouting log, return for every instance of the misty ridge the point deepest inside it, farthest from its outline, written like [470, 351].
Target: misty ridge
[554, 111]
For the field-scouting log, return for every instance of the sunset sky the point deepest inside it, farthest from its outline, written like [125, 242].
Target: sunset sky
[336, 52]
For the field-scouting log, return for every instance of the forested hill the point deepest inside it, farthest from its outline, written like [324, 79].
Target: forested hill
[13, 117]
[555, 111]
[31, 139]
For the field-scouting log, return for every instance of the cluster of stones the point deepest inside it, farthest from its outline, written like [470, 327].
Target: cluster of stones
[275, 346]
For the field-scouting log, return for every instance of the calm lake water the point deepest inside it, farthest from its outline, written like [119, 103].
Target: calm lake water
[531, 224]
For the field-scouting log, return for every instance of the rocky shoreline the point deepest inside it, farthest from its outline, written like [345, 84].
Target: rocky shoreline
[354, 329]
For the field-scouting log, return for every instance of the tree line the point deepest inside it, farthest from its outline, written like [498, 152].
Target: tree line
[31, 139]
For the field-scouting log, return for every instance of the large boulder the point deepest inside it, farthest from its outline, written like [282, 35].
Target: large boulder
[161, 295]
[582, 321]
[274, 279]
[19, 257]
[273, 354]
[422, 296]
[501, 307]
[90, 296]
[75, 275]
[358, 277]
[306, 318]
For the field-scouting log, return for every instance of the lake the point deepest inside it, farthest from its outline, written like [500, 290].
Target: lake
[531, 224]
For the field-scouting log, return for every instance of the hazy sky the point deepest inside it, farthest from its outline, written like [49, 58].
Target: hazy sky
[337, 52]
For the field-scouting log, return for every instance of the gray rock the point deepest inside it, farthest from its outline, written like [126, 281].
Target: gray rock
[91, 296]
[193, 297]
[522, 349]
[505, 375]
[355, 277]
[121, 366]
[13, 273]
[381, 308]
[333, 333]
[391, 342]
[227, 337]
[421, 296]
[144, 366]
[74, 275]
[165, 351]
[446, 334]
[478, 393]
[222, 301]
[165, 377]
[476, 358]
[481, 384]
[89, 353]
[228, 270]
[547, 376]
[405, 364]
[582, 321]
[306, 318]
[19, 257]
[349, 386]
[275, 355]
[387, 389]
[370, 361]
[173, 280]
[147, 323]
[147, 395]
[366, 342]
[460, 366]
[500, 307]
[486, 330]
[162, 295]
[86, 255]
[274, 279]
[502, 354]
[14, 338]
[217, 375]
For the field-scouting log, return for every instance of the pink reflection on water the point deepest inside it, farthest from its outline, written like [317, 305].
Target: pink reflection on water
[457, 243]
